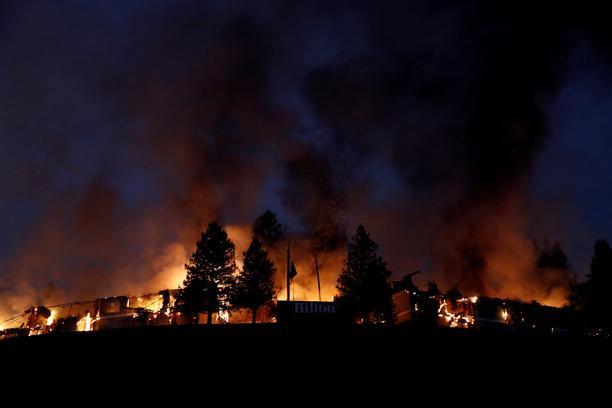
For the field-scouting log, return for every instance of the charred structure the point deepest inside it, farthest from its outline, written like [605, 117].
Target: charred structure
[415, 306]
[412, 307]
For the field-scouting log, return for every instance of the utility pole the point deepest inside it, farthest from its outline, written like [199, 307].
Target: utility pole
[289, 271]
[318, 277]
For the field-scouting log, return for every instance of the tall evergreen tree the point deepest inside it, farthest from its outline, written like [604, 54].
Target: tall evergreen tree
[553, 257]
[363, 285]
[255, 285]
[591, 298]
[601, 267]
[599, 287]
[210, 273]
[268, 230]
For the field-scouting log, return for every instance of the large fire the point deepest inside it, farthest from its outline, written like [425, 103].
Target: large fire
[459, 316]
[504, 274]
[440, 176]
[168, 272]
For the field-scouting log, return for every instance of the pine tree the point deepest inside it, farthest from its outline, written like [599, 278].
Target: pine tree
[591, 298]
[268, 230]
[364, 289]
[553, 257]
[210, 273]
[599, 287]
[255, 285]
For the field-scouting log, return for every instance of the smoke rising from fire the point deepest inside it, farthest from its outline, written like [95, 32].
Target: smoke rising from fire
[126, 129]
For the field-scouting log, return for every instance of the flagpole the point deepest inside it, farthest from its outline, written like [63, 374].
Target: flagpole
[289, 271]
[318, 277]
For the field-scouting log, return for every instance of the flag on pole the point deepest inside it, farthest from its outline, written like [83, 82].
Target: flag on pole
[293, 272]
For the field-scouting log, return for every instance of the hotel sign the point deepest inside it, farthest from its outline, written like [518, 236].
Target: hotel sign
[307, 312]
[313, 307]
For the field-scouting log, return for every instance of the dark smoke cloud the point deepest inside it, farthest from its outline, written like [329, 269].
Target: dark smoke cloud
[126, 128]
[311, 193]
[467, 111]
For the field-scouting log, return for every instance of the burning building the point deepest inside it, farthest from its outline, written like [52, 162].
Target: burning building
[413, 305]
[100, 314]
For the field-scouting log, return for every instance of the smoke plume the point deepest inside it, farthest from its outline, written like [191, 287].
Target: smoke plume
[127, 128]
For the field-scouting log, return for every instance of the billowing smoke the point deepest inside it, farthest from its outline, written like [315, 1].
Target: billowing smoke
[127, 128]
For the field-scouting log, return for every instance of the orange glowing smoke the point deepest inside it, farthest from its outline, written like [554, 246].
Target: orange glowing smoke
[486, 251]
[169, 268]
[508, 273]
[304, 285]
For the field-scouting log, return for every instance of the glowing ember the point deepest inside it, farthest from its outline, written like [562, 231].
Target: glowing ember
[85, 323]
[223, 316]
[461, 316]
[51, 318]
[88, 322]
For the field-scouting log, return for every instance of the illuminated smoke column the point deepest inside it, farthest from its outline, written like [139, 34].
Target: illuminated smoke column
[125, 130]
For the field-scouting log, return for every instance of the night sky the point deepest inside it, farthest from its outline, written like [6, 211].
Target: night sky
[463, 136]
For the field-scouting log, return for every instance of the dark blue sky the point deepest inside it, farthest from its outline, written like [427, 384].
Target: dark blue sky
[574, 172]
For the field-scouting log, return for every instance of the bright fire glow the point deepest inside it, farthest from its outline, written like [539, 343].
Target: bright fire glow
[85, 323]
[460, 318]
[51, 318]
[223, 316]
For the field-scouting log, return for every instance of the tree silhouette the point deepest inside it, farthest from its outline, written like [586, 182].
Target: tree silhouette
[599, 288]
[255, 285]
[578, 296]
[363, 285]
[209, 277]
[432, 289]
[553, 257]
[591, 298]
[454, 294]
[268, 230]
[553, 266]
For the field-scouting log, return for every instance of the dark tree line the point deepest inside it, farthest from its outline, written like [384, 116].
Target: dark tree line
[588, 299]
[591, 299]
[213, 282]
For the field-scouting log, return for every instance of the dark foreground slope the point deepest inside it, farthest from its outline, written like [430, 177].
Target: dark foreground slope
[397, 362]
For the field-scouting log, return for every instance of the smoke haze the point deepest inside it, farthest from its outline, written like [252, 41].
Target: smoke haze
[126, 128]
